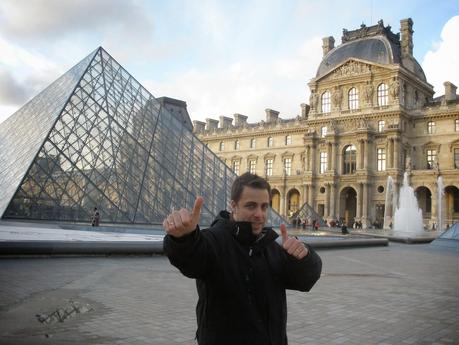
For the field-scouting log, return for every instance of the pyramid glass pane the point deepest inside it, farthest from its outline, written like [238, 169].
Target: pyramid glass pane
[23, 133]
[115, 147]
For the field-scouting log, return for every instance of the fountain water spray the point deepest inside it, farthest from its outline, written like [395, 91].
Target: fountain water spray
[408, 215]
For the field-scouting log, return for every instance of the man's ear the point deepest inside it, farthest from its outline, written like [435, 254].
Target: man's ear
[232, 205]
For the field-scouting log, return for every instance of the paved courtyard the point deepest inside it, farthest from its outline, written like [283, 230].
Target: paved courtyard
[400, 294]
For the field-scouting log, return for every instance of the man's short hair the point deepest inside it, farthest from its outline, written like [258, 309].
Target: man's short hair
[249, 180]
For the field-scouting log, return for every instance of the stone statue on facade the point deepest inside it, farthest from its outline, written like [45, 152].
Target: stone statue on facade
[369, 93]
[337, 97]
[395, 88]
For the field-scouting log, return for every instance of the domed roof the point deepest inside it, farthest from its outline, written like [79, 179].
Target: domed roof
[373, 49]
[375, 44]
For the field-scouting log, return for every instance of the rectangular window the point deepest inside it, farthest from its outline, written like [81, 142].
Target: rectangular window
[253, 143]
[288, 166]
[381, 125]
[431, 127]
[270, 142]
[288, 140]
[381, 153]
[236, 167]
[456, 158]
[326, 105]
[456, 125]
[431, 158]
[269, 167]
[323, 162]
[323, 131]
[252, 166]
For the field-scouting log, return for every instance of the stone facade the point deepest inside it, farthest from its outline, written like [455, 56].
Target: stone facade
[370, 116]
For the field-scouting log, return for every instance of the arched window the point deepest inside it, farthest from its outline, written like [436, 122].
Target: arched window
[222, 146]
[349, 159]
[270, 141]
[353, 97]
[325, 101]
[236, 145]
[383, 95]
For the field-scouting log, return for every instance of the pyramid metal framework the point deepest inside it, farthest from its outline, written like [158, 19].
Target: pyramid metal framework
[97, 138]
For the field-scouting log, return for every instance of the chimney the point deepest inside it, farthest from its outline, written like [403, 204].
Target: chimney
[240, 120]
[304, 110]
[450, 91]
[198, 126]
[271, 115]
[328, 44]
[406, 31]
[211, 124]
[225, 122]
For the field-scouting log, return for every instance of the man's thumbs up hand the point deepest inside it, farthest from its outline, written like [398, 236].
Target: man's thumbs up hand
[292, 245]
[182, 222]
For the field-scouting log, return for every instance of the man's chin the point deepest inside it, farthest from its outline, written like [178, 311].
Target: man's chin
[257, 228]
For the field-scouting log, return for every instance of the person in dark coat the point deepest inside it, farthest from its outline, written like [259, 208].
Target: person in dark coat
[95, 217]
[241, 271]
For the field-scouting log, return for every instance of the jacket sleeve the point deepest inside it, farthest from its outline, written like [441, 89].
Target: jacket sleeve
[302, 274]
[191, 254]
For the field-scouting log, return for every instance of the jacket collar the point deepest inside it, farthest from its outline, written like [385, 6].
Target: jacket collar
[242, 231]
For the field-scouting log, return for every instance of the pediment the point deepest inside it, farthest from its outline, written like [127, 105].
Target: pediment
[352, 68]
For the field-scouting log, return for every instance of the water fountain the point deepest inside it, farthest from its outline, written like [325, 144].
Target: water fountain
[407, 216]
[440, 197]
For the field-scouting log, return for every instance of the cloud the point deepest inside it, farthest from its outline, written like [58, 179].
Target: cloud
[441, 63]
[246, 87]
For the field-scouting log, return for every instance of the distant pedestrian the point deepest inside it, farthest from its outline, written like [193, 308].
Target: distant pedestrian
[95, 217]
[344, 230]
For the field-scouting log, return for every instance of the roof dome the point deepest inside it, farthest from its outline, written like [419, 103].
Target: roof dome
[376, 44]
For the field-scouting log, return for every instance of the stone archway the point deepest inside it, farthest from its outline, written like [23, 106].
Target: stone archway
[451, 205]
[293, 201]
[424, 196]
[275, 200]
[348, 205]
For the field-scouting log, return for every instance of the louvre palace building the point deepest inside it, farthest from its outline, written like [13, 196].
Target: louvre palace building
[371, 115]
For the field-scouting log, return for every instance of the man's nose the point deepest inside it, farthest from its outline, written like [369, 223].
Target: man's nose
[258, 212]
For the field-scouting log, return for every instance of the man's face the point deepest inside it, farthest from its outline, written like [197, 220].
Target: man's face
[252, 207]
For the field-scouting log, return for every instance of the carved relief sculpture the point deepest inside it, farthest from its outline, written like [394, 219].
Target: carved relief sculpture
[337, 97]
[369, 93]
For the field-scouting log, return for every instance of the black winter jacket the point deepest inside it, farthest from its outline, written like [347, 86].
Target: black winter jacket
[241, 281]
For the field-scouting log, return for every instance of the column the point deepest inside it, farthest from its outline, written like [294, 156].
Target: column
[359, 155]
[282, 202]
[365, 203]
[310, 195]
[312, 155]
[396, 153]
[305, 195]
[365, 155]
[332, 200]
[389, 153]
[329, 156]
[434, 212]
[333, 157]
[308, 158]
[358, 211]
[327, 200]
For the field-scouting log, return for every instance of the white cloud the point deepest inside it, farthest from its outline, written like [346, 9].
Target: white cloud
[441, 63]
[246, 87]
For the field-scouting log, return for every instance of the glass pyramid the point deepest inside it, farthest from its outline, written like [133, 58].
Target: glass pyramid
[97, 138]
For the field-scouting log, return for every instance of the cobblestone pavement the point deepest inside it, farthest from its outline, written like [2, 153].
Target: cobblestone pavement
[400, 294]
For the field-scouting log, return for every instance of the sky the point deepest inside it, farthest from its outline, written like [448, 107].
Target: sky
[220, 56]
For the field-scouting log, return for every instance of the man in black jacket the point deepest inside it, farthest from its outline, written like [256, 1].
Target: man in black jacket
[241, 271]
